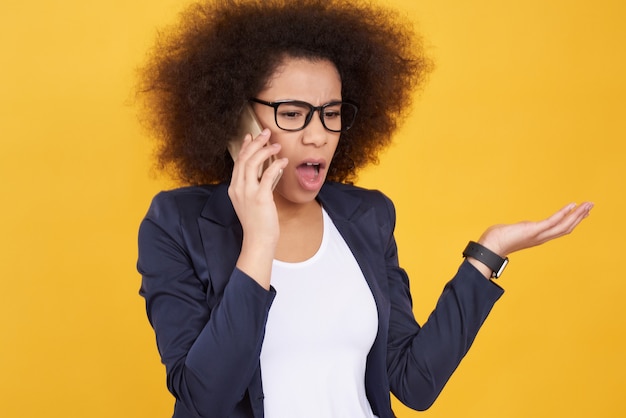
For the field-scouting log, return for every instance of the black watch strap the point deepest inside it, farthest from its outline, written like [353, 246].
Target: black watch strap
[487, 257]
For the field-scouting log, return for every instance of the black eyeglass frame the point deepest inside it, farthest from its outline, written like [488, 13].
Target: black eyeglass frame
[309, 116]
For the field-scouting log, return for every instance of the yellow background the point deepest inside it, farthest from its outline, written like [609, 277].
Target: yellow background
[524, 113]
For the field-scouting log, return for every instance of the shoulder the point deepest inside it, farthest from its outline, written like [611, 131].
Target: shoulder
[182, 202]
[173, 215]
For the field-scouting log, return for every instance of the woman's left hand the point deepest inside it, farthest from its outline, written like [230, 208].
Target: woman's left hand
[506, 239]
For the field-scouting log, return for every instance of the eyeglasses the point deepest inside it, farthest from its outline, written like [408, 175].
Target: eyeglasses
[295, 115]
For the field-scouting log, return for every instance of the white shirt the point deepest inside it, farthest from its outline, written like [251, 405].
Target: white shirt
[320, 329]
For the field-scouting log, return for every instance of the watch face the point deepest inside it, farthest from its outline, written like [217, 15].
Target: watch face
[498, 273]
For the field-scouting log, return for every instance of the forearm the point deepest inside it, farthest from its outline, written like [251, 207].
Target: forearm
[424, 360]
[220, 364]
[208, 337]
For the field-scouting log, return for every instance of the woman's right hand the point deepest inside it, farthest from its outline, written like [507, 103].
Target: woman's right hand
[253, 201]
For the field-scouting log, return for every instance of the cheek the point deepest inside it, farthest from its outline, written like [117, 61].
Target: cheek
[286, 140]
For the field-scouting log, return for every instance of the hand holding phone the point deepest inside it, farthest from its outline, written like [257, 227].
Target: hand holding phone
[249, 124]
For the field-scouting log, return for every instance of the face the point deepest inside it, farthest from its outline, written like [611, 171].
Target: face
[311, 149]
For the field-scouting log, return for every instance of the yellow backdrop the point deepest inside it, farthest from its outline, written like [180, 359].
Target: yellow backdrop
[523, 114]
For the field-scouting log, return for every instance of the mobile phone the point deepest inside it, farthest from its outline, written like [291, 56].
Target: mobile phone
[249, 124]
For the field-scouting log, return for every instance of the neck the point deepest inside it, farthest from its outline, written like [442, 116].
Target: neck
[289, 212]
[301, 230]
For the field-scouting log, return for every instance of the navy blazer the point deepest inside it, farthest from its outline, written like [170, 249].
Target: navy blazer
[209, 317]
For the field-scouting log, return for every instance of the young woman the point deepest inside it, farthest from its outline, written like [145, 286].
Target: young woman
[288, 301]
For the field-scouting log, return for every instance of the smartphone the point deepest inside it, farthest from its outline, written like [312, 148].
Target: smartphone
[249, 124]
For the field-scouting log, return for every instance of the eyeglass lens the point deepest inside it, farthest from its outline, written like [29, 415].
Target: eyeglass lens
[295, 115]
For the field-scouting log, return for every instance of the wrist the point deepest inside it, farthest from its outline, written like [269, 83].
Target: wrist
[256, 261]
[489, 263]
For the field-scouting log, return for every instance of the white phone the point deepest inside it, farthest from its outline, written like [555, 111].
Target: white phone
[249, 124]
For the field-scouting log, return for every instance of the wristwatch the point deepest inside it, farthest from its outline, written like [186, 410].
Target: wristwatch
[487, 257]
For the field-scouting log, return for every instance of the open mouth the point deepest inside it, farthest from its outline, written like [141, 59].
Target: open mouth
[315, 166]
[309, 171]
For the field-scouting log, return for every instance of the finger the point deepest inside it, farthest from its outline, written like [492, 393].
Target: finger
[254, 143]
[239, 186]
[558, 216]
[564, 221]
[273, 173]
[256, 162]
[249, 145]
[540, 231]
[251, 155]
[573, 219]
[238, 161]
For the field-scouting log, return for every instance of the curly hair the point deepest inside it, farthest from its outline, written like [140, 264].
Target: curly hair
[202, 70]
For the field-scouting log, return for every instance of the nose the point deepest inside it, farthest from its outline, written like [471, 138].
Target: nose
[315, 133]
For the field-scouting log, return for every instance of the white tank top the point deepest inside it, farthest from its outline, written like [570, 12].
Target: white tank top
[320, 329]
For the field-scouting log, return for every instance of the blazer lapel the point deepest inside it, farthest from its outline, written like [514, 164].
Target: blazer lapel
[357, 223]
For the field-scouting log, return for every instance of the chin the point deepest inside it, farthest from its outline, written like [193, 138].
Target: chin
[296, 194]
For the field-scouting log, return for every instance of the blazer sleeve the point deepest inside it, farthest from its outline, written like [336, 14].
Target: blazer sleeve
[210, 355]
[420, 360]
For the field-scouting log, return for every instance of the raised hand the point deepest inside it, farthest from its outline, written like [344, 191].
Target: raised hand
[506, 239]
[253, 201]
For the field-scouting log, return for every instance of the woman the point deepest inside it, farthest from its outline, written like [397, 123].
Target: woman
[278, 293]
